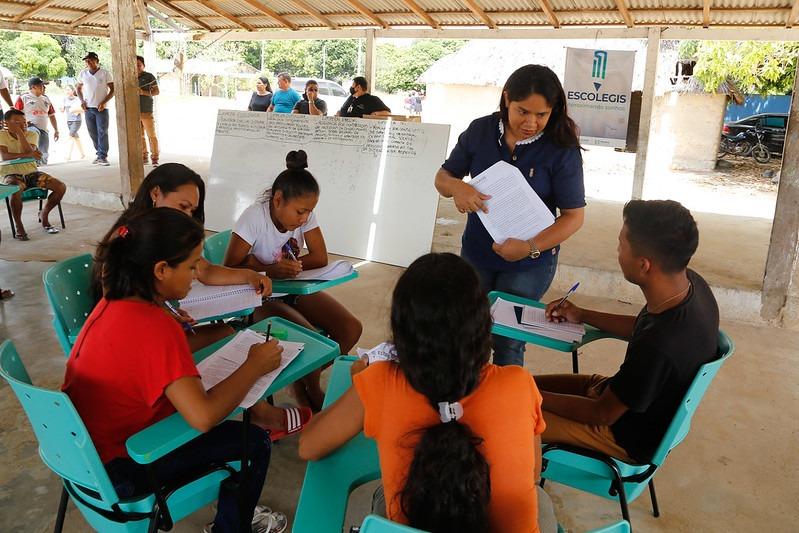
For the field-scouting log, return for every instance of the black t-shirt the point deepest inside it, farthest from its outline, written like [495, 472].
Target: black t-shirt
[366, 104]
[663, 358]
[303, 107]
[260, 103]
[146, 81]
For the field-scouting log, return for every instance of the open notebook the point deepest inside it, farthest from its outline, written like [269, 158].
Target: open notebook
[334, 270]
[232, 355]
[533, 320]
[205, 301]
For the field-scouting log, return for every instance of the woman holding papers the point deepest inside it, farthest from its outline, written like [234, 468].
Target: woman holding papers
[269, 236]
[532, 132]
[176, 186]
[131, 367]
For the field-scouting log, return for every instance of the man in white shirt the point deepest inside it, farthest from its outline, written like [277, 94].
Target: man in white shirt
[4, 90]
[95, 88]
[38, 110]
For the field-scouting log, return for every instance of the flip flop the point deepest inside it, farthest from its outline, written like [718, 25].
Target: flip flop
[296, 418]
[22, 237]
[52, 230]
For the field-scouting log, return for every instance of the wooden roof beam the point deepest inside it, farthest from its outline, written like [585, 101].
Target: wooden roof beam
[185, 14]
[421, 13]
[368, 13]
[144, 17]
[169, 21]
[628, 20]
[792, 16]
[95, 13]
[315, 13]
[255, 4]
[547, 8]
[706, 13]
[222, 13]
[478, 11]
[32, 10]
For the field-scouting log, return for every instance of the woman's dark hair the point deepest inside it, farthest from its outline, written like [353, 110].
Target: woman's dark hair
[265, 81]
[538, 79]
[663, 231]
[167, 177]
[142, 241]
[441, 326]
[295, 181]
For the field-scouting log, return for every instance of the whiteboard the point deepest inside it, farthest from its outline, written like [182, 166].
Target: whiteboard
[378, 200]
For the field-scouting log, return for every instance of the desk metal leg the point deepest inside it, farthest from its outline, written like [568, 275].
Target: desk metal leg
[10, 217]
[244, 520]
[575, 363]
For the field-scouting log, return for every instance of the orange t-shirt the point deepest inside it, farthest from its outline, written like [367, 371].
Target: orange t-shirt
[505, 410]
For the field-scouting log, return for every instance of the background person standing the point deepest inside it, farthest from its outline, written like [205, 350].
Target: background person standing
[38, 110]
[71, 107]
[148, 87]
[95, 88]
[285, 98]
[261, 99]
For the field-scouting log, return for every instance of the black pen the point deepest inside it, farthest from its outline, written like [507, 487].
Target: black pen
[268, 331]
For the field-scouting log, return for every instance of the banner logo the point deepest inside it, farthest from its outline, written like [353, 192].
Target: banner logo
[599, 67]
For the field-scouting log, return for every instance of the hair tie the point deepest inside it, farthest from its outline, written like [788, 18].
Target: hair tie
[449, 411]
[123, 231]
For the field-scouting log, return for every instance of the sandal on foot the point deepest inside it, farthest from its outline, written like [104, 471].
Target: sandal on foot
[22, 237]
[269, 522]
[52, 230]
[5, 294]
[296, 418]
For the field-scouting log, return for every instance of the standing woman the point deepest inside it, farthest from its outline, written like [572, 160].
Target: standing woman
[310, 104]
[533, 132]
[261, 99]
[71, 107]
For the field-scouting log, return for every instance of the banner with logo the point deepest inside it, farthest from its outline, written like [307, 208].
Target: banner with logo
[597, 85]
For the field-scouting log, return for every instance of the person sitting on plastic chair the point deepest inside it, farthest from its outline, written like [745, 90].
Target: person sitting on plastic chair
[15, 143]
[626, 415]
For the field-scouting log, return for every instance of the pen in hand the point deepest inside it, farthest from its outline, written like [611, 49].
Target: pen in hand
[562, 300]
[185, 325]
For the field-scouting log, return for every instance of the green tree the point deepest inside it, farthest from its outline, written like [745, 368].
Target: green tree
[76, 48]
[754, 66]
[39, 55]
[399, 68]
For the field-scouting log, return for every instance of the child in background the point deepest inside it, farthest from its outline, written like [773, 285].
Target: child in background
[458, 438]
[131, 367]
[269, 236]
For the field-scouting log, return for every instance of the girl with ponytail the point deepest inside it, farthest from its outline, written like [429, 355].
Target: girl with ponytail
[269, 236]
[458, 437]
[131, 367]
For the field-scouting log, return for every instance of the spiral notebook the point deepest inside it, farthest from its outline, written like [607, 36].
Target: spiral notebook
[205, 301]
[334, 270]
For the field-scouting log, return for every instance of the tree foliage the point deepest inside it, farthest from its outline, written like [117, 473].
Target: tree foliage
[398, 68]
[755, 67]
[35, 54]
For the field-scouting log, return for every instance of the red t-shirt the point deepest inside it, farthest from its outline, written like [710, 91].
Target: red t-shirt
[126, 355]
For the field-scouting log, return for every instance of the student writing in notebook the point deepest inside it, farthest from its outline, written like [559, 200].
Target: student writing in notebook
[458, 437]
[533, 132]
[131, 367]
[176, 186]
[676, 332]
[269, 236]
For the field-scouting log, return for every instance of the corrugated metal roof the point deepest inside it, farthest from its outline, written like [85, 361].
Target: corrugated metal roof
[511, 13]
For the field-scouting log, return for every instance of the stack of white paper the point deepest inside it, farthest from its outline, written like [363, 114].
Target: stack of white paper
[232, 355]
[334, 270]
[385, 351]
[534, 321]
[205, 301]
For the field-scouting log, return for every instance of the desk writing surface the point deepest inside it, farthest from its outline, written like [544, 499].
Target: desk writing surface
[296, 286]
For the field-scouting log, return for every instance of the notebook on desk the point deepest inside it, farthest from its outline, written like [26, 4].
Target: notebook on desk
[334, 270]
[533, 320]
[205, 301]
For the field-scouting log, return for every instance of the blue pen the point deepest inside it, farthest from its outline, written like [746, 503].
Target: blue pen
[287, 249]
[186, 326]
[574, 288]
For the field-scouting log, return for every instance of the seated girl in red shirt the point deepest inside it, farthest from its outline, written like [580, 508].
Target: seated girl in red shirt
[131, 365]
[458, 438]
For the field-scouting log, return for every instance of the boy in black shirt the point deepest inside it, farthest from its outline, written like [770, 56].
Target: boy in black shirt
[362, 103]
[676, 332]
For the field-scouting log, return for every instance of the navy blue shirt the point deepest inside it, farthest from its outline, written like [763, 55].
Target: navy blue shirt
[555, 174]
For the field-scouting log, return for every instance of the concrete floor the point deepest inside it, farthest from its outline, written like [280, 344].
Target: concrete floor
[736, 471]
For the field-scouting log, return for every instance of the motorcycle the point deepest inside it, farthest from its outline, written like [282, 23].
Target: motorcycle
[744, 144]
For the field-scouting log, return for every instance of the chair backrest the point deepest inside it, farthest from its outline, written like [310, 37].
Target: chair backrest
[215, 247]
[68, 288]
[64, 442]
[376, 524]
[619, 527]
[681, 422]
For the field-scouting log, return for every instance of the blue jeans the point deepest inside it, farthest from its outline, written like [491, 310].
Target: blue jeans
[97, 124]
[223, 443]
[532, 283]
[44, 143]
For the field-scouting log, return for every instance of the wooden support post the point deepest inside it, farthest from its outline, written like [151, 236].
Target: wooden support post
[647, 101]
[126, 95]
[371, 50]
[783, 250]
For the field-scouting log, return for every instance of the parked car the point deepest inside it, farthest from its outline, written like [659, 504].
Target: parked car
[772, 124]
[331, 92]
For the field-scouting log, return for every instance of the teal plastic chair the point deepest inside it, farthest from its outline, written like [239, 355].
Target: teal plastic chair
[615, 479]
[329, 481]
[33, 193]
[67, 286]
[66, 448]
[619, 527]
[215, 247]
[377, 524]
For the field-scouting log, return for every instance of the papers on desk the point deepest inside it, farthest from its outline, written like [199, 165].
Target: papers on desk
[205, 301]
[533, 320]
[230, 357]
[514, 210]
[334, 270]
[385, 351]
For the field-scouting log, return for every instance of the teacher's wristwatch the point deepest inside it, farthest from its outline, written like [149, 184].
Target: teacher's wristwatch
[535, 253]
